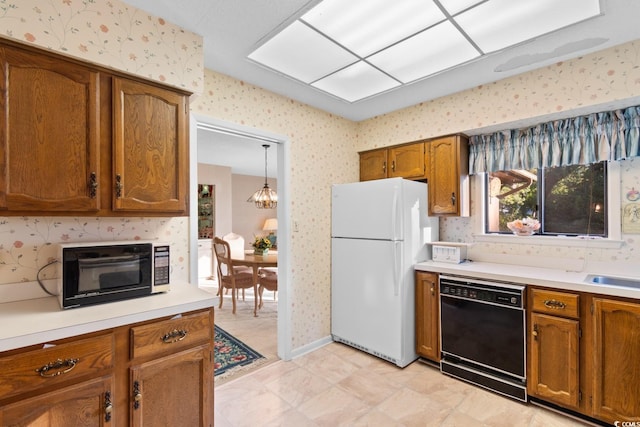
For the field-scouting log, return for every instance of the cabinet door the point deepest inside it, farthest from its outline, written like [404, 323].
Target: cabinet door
[407, 161]
[49, 140]
[616, 394]
[427, 316]
[84, 404]
[554, 354]
[151, 167]
[373, 165]
[447, 176]
[176, 390]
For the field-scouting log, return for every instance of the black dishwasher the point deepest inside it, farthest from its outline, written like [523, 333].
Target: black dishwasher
[483, 333]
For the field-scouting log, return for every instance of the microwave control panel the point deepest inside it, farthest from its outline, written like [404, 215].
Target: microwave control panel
[161, 265]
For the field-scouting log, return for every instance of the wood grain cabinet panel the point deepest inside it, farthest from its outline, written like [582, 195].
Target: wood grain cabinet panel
[150, 148]
[81, 139]
[373, 165]
[49, 140]
[86, 404]
[408, 161]
[616, 352]
[135, 375]
[555, 359]
[427, 316]
[448, 176]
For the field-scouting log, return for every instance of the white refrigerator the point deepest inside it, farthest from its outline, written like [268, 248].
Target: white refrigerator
[378, 232]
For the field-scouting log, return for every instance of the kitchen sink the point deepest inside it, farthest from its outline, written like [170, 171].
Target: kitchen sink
[613, 281]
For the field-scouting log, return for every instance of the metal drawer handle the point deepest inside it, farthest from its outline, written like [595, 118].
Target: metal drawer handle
[69, 364]
[174, 336]
[557, 305]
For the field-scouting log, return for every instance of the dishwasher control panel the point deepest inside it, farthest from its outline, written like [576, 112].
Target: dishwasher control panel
[482, 291]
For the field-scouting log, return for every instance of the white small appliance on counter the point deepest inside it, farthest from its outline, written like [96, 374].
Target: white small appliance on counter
[451, 252]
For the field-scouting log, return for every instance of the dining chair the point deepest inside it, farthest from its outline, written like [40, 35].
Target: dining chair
[228, 278]
[267, 279]
[236, 244]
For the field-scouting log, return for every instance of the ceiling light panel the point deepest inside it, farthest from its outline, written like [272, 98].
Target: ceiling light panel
[454, 7]
[497, 24]
[302, 53]
[355, 82]
[429, 52]
[367, 26]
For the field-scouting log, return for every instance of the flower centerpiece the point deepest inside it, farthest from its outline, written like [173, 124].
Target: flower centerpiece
[261, 245]
[524, 226]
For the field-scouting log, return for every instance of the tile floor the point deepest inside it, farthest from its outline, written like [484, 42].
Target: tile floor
[340, 386]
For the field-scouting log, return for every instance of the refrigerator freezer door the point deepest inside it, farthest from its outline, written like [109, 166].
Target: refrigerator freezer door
[368, 210]
[372, 298]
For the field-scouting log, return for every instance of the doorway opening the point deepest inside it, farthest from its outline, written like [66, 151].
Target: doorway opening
[240, 147]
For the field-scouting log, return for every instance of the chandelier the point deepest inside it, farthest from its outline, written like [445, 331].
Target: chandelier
[264, 198]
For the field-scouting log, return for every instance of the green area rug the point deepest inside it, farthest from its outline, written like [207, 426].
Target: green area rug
[232, 355]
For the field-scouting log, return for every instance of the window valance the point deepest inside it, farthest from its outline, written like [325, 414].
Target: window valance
[611, 135]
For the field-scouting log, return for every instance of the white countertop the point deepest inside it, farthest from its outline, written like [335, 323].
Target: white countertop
[42, 320]
[552, 278]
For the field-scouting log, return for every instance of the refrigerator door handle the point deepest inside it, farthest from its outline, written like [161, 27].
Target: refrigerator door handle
[397, 271]
[394, 213]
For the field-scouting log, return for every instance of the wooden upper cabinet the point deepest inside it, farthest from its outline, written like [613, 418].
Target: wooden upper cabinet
[150, 148]
[448, 176]
[617, 360]
[373, 164]
[49, 140]
[408, 161]
[402, 161]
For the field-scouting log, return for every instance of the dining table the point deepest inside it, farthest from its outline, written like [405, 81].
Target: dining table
[255, 262]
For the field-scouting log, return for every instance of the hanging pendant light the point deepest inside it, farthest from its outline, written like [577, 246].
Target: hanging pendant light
[265, 198]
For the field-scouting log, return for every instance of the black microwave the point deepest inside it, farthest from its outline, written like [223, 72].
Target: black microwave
[96, 273]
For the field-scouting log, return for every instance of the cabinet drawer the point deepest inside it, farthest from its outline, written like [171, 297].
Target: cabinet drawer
[171, 335]
[557, 303]
[24, 372]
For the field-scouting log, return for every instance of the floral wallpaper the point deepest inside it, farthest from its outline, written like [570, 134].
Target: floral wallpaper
[323, 146]
[29, 243]
[109, 33]
[323, 152]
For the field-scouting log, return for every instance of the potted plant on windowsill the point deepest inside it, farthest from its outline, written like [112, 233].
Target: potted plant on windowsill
[261, 246]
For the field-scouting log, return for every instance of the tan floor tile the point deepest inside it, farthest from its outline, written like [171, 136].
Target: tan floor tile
[368, 386]
[291, 418]
[407, 404]
[375, 418]
[334, 407]
[333, 368]
[495, 410]
[298, 385]
[546, 418]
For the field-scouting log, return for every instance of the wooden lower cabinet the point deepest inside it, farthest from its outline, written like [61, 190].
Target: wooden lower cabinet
[87, 403]
[153, 373]
[169, 391]
[427, 316]
[616, 353]
[584, 353]
[554, 358]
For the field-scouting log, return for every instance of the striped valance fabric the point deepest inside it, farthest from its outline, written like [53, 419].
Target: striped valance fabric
[611, 135]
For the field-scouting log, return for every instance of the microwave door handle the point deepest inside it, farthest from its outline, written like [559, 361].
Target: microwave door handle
[97, 262]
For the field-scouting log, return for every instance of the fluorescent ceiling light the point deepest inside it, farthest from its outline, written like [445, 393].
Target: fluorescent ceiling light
[367, 26]
[356, 49]
[302, 53]
[427, 53]
[497, 24]
[355, 82]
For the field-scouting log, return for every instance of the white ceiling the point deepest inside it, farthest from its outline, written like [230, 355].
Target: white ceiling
[232, 29]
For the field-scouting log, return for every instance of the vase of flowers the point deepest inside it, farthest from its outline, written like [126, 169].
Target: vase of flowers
[261, 246]
[524, 226]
